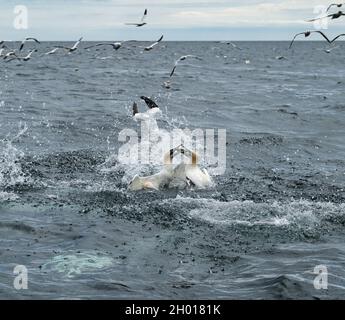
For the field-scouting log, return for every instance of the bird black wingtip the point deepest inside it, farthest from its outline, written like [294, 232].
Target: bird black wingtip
[135, 109]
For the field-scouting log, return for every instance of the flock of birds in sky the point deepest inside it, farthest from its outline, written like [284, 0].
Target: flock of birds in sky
[332, 16]
[9, 54]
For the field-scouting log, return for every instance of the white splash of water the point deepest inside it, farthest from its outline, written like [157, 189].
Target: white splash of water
[10, 168]
[76, 263]
[153, 151]
[300, 213]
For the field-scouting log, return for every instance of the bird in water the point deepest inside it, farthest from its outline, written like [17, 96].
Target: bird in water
[235, 46]
[189, 173]
[329, 50]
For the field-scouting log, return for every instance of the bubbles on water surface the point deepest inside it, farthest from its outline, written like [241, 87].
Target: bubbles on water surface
[73, 264]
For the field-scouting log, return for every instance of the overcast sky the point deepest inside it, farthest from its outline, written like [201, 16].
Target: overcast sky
[176, 19]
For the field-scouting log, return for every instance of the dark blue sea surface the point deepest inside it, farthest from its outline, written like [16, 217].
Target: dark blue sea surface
[276, 213]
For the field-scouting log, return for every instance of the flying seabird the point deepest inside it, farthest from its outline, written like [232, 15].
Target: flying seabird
[115, 45]
[148, 119]
[153, 44]
[73, 48]
[26, 58]
[9, 54]
[307, 34]
[3, 48]
[181, 59]
[51, 51]
[332, 16]
[339, 5]
[27, 39]
[141, 23]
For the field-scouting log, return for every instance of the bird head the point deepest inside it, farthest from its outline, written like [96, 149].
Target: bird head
[136, 184]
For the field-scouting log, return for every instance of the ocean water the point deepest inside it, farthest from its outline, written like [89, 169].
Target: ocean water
[275, 214]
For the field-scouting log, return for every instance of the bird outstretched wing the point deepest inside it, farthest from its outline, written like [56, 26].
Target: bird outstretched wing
[144, 16]
[338, 36]
[150, 103]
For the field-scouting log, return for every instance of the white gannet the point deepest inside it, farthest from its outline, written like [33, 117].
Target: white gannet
[148, 118]
[51, 51]
[9, 54]
[73, 48]
[115, 45]
[142, 21]
[25, 40]
[333, 16]
[154, 44]
[307, 34]
[158, 180]
[195, 176]
[26, 58]
[181, 59]
[188, 173]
